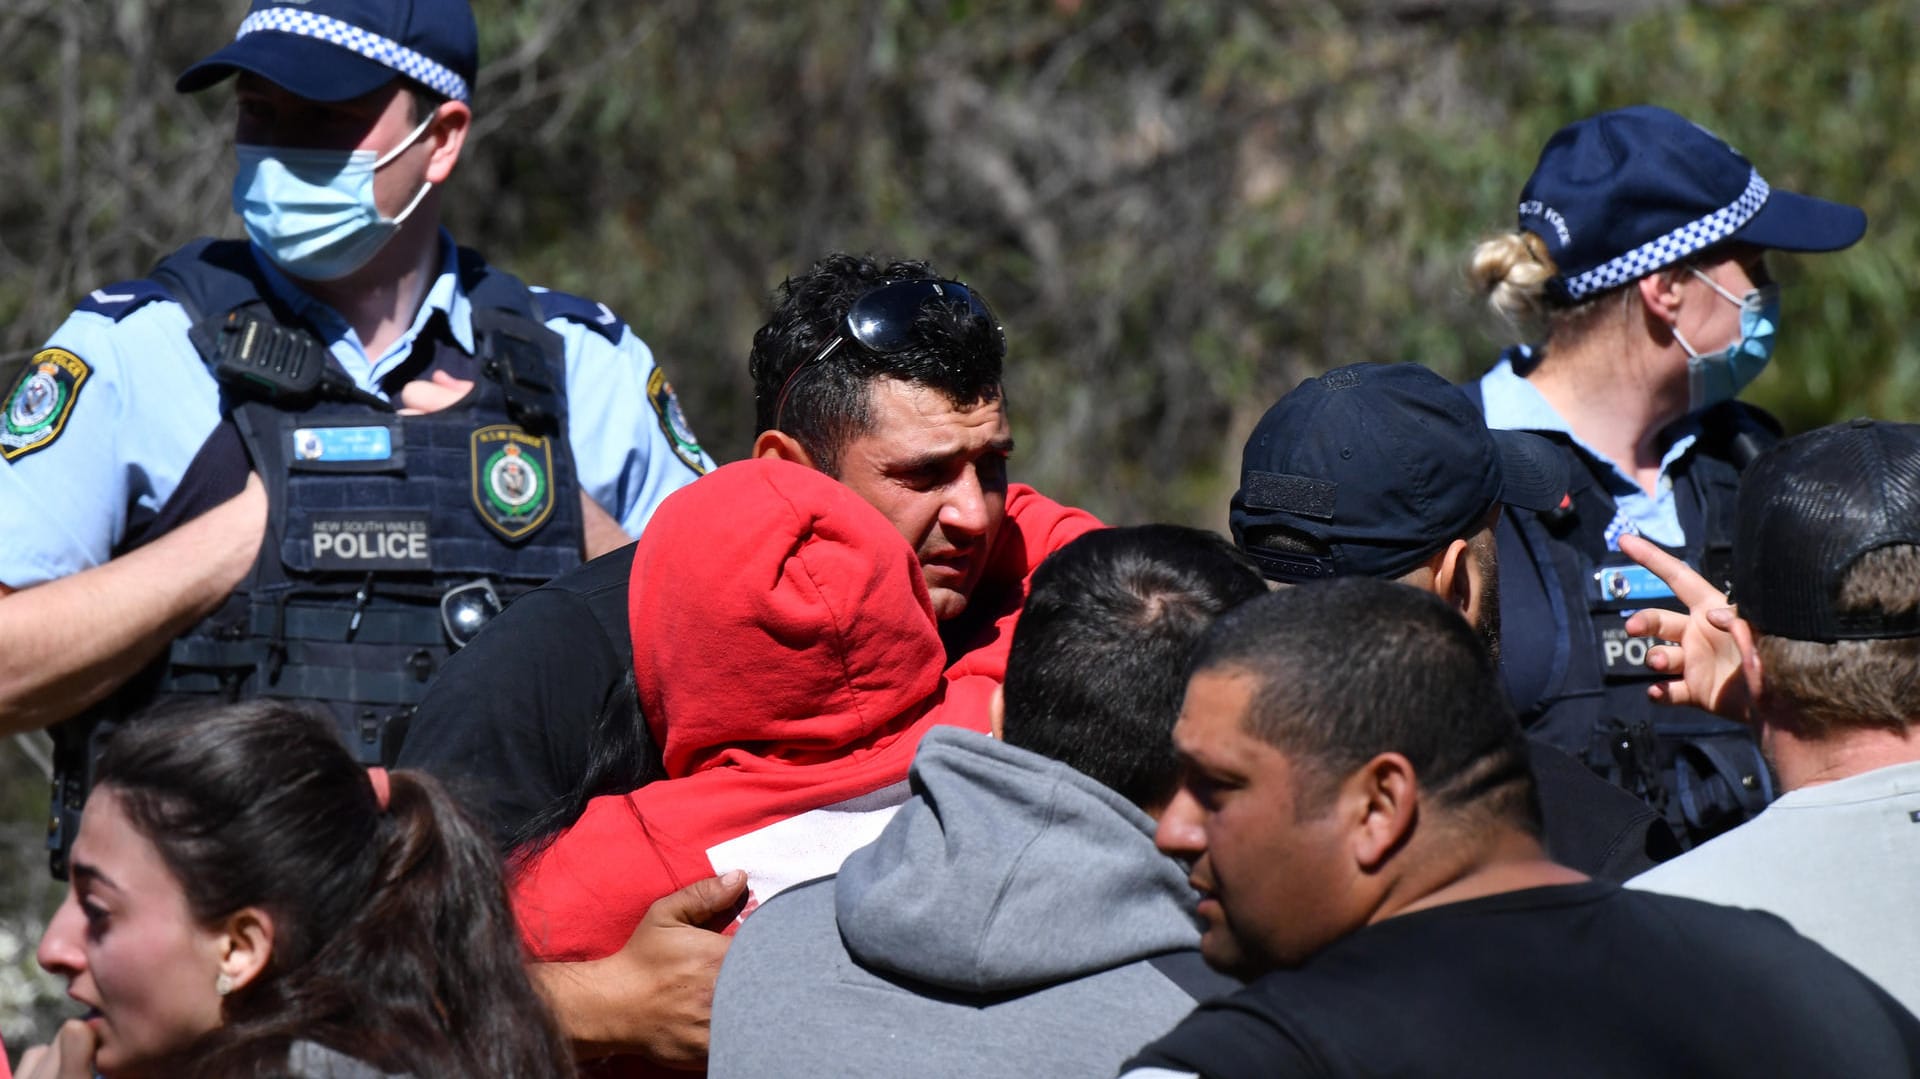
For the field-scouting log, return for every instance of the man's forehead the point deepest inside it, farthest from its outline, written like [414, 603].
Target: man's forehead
[925, 417]
[1214, 711]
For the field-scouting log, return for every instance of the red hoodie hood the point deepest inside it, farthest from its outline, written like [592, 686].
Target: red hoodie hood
[778, 619]
[787, 659]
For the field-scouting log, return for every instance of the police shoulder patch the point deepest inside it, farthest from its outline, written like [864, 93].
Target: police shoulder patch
[592, 314]
[117, 301]
[37, 408]
[673, 422]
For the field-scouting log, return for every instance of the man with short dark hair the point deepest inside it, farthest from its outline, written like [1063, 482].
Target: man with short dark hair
[1364, 838]
[879, 373]
[1386, 471]
[1824, 661]
[1014, 917]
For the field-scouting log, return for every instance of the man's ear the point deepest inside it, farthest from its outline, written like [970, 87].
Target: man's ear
[997, 711]
[246, 945]
[1751, 669]
[1452, 579]
[781, 445]
[1385, 793]
[449, 135]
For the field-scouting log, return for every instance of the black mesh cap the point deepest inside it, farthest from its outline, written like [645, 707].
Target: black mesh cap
[1809, 508]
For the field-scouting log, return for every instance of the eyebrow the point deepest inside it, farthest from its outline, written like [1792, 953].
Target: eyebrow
[84, 872]
[935, 458]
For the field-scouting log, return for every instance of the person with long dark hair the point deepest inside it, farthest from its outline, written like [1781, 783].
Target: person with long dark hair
[246, 900]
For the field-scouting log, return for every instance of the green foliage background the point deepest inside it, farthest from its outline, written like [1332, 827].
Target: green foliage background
[1178, 209]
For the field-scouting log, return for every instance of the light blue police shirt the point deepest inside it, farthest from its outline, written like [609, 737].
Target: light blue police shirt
[1513, 404]
[121, 446]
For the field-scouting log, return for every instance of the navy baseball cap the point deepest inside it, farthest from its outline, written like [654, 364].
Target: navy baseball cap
[1809, 508]
[1381, 465]
[335, 50]
[1622, 194]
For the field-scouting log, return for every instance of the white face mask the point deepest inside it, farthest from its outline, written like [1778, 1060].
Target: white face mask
[313, 211]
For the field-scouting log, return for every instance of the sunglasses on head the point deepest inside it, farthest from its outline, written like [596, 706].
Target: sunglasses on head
[882, 320]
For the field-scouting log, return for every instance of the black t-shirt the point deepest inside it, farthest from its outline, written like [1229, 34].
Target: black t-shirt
[507, 722]
[1574, 980]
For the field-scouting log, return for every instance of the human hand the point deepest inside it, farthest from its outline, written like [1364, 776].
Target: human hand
[433, 394]
[1706, 661]
[654, 996]
[68, 1056]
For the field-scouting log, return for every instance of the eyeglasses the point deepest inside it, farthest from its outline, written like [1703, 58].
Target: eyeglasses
[465, 608]
[882, 320]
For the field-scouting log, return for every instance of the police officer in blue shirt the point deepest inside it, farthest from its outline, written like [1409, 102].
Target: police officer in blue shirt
[309, 464]
[1641, 250]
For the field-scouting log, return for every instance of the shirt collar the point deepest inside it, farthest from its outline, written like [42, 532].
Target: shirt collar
[446, 295]
[1513, 404]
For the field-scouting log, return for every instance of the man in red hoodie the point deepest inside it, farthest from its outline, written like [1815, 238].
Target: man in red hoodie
[881, 375]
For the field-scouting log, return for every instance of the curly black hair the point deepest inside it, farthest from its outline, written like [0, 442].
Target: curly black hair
[954, 351]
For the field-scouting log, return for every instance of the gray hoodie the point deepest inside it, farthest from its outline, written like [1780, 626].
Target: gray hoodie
[1014, 918]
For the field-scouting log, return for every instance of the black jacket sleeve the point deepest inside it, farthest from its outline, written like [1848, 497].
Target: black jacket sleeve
[507, 722]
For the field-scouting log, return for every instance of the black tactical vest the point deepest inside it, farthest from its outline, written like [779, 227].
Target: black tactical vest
[1579, 681]
[373, 517]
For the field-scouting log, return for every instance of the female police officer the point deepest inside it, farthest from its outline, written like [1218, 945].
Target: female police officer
[1640, 248]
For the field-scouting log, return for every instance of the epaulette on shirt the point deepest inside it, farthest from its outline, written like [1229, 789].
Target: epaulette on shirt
[117, 301]
[592, 314]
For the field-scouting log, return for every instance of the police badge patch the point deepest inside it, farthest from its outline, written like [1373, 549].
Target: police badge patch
[512, 479]
[38, 407]
[673, 422]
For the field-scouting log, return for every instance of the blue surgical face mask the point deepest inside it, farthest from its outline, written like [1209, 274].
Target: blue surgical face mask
[312, 211]
[1720, 376]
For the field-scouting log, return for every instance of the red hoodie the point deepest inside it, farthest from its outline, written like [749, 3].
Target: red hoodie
[787, 661]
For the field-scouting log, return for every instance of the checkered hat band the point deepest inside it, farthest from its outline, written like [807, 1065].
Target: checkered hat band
[1676, 245]
[380, 50]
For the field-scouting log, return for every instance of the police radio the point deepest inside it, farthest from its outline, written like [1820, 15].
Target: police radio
[280, 365]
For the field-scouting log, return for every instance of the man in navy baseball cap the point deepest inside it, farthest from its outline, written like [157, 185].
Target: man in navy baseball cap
[1378, 470]
[1388, 471]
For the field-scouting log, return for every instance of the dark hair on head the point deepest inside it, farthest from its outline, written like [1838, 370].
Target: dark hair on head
[393, 940]
[830, 401]
[1350, 668]
[421, 101]
[1099, 656]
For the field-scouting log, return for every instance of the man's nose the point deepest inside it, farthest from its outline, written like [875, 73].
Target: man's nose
[1180, 832]
[965, 512]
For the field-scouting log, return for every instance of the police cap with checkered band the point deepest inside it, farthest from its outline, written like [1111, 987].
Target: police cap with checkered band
[336, 50]
[1620, 195]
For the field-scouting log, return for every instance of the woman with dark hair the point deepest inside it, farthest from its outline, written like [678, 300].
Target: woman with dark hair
[246, 900]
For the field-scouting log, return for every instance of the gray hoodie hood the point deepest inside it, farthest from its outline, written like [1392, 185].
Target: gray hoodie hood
[1007, 870]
